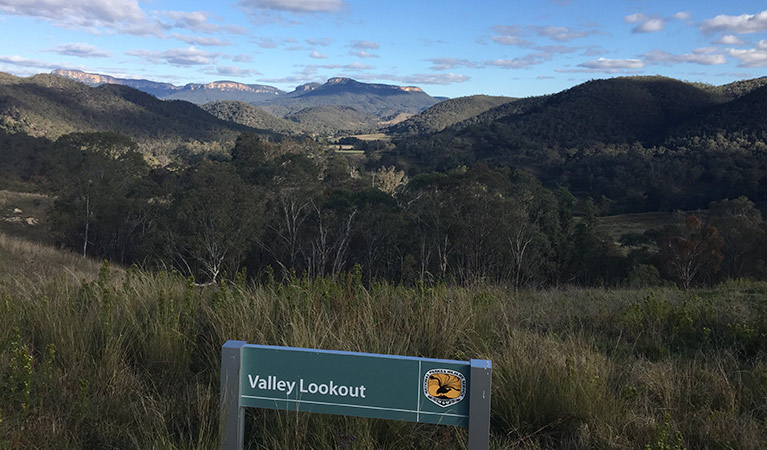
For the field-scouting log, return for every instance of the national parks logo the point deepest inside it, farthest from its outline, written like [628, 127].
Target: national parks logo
[444, 387]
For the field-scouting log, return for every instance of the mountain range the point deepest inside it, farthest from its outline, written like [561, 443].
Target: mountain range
[380, 100]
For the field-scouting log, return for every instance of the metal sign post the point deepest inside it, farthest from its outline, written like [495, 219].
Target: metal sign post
[423, 390]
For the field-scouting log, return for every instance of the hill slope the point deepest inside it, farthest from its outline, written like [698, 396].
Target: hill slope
[50, 106]
[251, 116]
[447, 113]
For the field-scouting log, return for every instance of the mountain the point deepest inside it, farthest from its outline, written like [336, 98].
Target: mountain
[743, 119]
[613, 111]
[380, 100]
[50, 106]
[252, 116]
[195, 93]
[447, 113]
[159, 90]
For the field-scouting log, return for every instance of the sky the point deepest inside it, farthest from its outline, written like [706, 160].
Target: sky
[448, 48]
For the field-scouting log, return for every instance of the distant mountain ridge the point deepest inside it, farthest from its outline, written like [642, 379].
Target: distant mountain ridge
[381, 100]
[193, 92]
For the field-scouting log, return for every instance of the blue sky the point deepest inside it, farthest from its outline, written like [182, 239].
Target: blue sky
[503, 47]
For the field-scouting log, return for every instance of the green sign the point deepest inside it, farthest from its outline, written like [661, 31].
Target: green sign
[424, 390]
[355, 384]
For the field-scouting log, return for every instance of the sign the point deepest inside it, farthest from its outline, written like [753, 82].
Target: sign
[371, 385]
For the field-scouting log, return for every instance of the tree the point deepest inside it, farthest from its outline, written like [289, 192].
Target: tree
[102, 193]
[215, 219]
[740, 224]
[691, 251]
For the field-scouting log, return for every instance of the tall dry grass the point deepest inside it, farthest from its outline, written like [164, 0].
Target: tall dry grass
[103, 358]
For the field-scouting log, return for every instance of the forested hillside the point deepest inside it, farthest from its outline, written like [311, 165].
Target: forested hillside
[50, 106]
[645, 143]
[447, 113]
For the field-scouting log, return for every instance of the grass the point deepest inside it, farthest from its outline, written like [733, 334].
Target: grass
[617, 226]
[98, 357]
[30, 222]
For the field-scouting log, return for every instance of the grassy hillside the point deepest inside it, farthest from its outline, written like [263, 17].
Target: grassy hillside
[105, 358]
[50, 106]
[447, 113]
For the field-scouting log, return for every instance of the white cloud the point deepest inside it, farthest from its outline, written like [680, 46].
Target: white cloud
[702, 56]
[353, 67]
[296, 6]
[317, 55]
[322, 42]
[80, 50]
[363, 54]
[178, 57]
[242, 58]
[682, 15]
[202, 41]
[750, 58]
[266, 42]
[742, 24]
[440, 64]
[25, 62]
[435, 79]
[232, 71]
[647, 24]
[511, 40]
[763, 44]
[562, 34]
[124, 16]
[729, 39]
[365, 45]
[613, 64]
[516, 63]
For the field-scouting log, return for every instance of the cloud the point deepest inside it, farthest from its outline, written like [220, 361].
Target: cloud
[80, 50]
[517, 63]
[322, 42]
[562, 34]
[433, 79]
[266, 42]
[647, 24]
[202, 41]
[730, 40]
[750, 58]
[763, 44]
[702, 56]
[363, 54]
[364, 45]
[178, 57]
[353, 67]
[242, 58]
[612, 64]
[25, 62]
[317, 55]
[120, 15]
[441, 64]
[296, 6]
[742, 24]
[232, 71]
[682, 15]
[507, 39]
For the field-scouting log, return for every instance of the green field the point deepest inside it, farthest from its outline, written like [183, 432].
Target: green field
[110, 358]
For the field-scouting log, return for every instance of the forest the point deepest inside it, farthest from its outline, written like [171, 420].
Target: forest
[283, 208]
